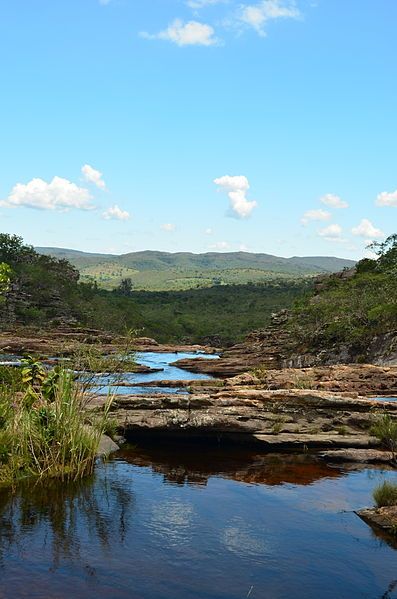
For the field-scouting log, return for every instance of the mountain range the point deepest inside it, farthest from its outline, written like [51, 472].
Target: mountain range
[155, 270]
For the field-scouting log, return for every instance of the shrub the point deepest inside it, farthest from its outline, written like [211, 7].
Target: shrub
[385, 494]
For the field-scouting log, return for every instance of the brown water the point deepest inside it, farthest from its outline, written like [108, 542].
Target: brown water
[197, 524]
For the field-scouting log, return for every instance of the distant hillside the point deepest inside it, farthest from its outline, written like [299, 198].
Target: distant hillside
[166, 271]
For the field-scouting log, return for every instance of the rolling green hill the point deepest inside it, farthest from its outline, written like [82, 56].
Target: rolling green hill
[153, 270]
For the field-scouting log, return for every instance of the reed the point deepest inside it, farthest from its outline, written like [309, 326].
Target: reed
[45, 431]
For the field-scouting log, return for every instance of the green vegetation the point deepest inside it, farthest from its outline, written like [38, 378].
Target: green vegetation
[46, 291]
[219, 315]
[385, 429]
[353, 307]
[385, 494]
[162, 271]
[44, 431]
[5, 278]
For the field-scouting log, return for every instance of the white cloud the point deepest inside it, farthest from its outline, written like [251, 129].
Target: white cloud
[331, 233]
[236, 189]
[220, 245]
[169, 227]
[197, 4]
[387, 198]
[243, 248]
[366, 229]
[311, 215]
[208, 231]
[191, 33]
[257, 15]
[333, 201]
[59, 194]
[91, 175]
[116, 213]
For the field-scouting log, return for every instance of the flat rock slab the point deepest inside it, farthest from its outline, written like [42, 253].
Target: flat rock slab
[382, 517]
[290, 418]
[364, 456]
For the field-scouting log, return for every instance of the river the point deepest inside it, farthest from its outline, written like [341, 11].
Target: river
[180, 522]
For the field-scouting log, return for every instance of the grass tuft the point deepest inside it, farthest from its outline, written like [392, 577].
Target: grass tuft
[44, 431]
[385, 494]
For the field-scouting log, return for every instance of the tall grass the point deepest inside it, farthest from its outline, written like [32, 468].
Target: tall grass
[385, 494]
[384, 428]
[44, 430]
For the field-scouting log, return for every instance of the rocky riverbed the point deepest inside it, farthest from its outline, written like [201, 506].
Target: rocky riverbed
[285, 418]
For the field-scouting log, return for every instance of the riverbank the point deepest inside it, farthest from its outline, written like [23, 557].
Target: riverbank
[63, 341]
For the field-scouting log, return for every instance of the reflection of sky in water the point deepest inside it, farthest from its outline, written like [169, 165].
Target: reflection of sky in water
[171, 522]
[241, 538]
[130, 534]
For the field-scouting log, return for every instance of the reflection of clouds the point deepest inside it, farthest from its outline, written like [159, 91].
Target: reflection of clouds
[172, 521]
[243, 541]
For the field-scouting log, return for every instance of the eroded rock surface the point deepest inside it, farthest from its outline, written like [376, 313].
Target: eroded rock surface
[290, 418]
[362, 379]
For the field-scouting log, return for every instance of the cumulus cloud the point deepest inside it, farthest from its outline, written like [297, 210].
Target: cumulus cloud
[366, 229]
[116, 213]
[258, 15]
[168, 227]
[91, 175]
[220, 245]
[236, 188]
[331, 233]
[191, 33]
[58, 194]
[317, 215]
[387, 198]
[333, 201]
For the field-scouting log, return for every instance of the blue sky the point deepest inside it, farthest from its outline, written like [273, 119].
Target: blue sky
[199, 125]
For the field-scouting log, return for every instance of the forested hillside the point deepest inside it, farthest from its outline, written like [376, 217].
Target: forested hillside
[352, 307]
[44, 291]
[160, 271]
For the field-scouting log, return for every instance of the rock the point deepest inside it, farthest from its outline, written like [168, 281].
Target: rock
[288, 418]
[143, 369]
[106, 447]
[355, 379]
[384, 518]
[62, 341]
[365, 456]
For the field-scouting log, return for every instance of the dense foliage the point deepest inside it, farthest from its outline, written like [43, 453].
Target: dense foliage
[353, 306]
[220, 315]
[46, 291]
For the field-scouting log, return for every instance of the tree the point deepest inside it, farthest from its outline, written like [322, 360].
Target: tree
[13, 250]
[5, 278]
[386, 252]
[125, 288]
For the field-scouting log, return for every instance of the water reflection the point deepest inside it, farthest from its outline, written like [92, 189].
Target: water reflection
[98, 508]
[180, 523]
[180, 465]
